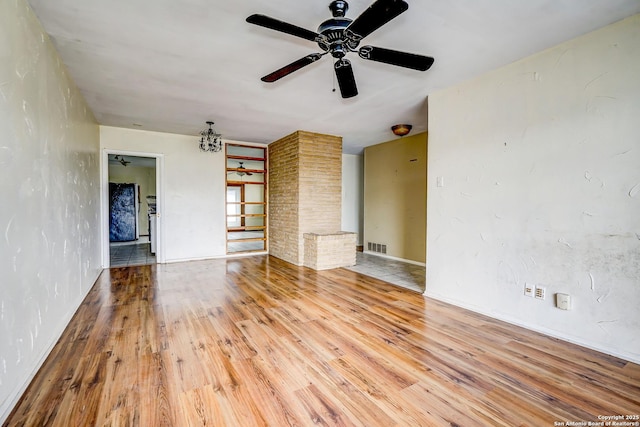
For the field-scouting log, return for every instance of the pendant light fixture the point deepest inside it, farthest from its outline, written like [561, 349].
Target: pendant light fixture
[210, 141]
[401, 129]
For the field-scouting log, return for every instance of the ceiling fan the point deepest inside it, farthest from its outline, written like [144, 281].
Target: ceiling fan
[241, 170]
[340, 35]
[121, 159]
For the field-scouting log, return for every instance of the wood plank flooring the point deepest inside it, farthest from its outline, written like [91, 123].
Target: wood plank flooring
[256, 341]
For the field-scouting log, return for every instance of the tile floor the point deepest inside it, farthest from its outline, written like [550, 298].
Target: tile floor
[399, 273]
[131, 253]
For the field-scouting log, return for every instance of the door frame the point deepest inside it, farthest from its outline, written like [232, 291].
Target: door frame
[104, 201]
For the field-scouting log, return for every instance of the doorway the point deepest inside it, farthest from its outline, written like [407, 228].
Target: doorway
[131, 228]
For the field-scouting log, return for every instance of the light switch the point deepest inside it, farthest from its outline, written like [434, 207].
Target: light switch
[563, 301]
[439, 181]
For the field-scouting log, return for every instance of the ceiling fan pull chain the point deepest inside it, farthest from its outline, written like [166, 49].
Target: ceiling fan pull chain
[333, 78]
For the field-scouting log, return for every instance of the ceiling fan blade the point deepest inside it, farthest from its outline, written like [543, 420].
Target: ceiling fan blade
[294, 66]
[395, 57]
[283, 27]
[378, 14]
[346, 80]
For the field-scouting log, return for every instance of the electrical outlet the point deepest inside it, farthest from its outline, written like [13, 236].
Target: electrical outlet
[540, 292]
[528, 290]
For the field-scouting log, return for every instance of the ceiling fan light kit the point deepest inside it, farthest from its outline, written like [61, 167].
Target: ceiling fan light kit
[401, 129]
[340, 35]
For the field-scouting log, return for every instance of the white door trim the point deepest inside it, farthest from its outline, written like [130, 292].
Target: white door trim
[104, 201]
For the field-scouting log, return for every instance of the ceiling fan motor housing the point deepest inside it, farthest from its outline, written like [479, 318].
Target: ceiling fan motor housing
[334, 40]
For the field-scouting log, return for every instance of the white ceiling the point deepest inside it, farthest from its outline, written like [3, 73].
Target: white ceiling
[171, 65]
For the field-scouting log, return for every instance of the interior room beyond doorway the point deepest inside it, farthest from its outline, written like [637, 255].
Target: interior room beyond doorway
[132, 210]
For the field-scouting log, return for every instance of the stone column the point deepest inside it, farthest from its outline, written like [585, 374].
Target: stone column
[305, 191]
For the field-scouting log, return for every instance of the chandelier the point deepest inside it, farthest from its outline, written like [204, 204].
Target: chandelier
[210, 141]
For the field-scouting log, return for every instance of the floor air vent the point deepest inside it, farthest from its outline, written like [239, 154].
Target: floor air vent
[377, 247]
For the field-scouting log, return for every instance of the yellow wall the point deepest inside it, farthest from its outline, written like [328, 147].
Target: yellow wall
[395, 194]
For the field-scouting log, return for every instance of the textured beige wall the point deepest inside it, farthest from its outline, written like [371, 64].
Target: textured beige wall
[395, 194]
[191, 201]
[540, 162]
[50, 209]
[305, 191]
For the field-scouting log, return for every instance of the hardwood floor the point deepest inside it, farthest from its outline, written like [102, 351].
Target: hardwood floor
[255, 341]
